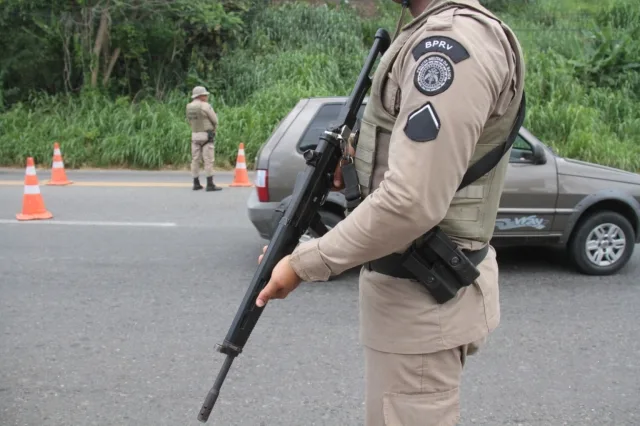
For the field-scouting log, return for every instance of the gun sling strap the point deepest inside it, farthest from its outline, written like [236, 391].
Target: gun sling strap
[396, 264]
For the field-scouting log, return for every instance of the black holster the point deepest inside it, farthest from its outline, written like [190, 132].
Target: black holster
[210, 136]
[437, 263]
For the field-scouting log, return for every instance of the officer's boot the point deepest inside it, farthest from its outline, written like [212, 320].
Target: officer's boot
[211, 186]
[196, 184]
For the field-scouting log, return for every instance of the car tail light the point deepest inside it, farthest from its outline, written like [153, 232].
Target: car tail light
[262, 185]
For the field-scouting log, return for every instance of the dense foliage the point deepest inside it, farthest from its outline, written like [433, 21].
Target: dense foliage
[109, 79]
[138, 47]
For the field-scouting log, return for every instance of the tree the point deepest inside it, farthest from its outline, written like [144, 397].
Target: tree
[123, 46]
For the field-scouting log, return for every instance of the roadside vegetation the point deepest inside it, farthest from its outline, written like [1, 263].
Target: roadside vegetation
[113, 92]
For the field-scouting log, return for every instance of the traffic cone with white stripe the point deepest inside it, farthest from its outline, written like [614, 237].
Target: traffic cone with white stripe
[241, 177]
[58, 175]
[32, 203]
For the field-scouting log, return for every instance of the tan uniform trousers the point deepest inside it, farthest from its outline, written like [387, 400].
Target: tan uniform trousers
[414, 390]
[415, 351]
[202, 152]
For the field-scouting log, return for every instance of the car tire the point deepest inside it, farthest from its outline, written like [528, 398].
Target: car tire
[329, 219]
[602, 243]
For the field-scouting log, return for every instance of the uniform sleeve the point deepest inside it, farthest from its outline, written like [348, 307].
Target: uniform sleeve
[446, 97]
[211, 114]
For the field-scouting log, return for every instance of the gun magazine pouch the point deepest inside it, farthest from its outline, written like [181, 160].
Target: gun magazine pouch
[438, 264]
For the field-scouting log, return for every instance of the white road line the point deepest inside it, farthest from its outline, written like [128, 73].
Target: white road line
[90, 223]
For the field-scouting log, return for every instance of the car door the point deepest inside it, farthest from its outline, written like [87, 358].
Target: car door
[528, 202]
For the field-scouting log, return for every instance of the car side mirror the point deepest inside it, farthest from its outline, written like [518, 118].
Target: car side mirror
[538, 156]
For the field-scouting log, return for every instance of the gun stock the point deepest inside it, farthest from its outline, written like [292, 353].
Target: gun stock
[311, 189]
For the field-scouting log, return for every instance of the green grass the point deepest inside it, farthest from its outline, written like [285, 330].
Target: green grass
[583, 78]
[583, 87]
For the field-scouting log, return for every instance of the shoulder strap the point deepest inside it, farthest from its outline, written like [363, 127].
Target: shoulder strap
[491, 159]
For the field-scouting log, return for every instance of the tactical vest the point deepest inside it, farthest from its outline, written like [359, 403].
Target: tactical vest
[473, 210]
[197, 117]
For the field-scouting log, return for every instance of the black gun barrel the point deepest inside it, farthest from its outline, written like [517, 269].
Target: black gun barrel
[212, 396]
[310, 191]
[348, 113]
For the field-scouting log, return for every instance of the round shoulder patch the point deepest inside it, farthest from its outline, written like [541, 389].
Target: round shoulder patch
[434, 75]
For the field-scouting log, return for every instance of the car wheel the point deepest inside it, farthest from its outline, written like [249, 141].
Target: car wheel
[329, 219]
[602, 243]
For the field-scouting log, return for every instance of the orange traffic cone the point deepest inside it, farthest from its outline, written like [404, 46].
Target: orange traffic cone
[241, 177]
[32, 202]
[58, 175]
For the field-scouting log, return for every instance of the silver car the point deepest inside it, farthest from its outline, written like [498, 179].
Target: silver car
[591, 211]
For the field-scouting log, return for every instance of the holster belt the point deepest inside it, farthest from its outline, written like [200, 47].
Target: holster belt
[392, 264]
[438, 264]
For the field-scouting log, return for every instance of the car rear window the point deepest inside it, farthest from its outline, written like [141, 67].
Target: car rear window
[325, 115]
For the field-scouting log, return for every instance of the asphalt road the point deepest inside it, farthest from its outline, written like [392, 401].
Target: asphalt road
[109, 314]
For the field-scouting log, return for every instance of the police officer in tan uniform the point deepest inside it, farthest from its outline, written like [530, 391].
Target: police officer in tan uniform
[204, 123]
[447, 91]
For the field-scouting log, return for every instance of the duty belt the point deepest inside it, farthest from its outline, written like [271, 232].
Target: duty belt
[439, 265]
[392, 264]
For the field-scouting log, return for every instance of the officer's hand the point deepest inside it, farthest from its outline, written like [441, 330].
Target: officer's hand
[338, 183]
[283, 281]
[264, 250]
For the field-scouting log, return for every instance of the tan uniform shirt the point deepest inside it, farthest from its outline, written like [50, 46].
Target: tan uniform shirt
[201, 117]
[418, 187]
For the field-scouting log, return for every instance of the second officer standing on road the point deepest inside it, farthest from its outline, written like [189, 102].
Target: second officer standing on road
[204, 123]
[447, 91]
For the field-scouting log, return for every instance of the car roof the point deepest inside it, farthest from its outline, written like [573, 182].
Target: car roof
[319, 100]
[328, 99]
